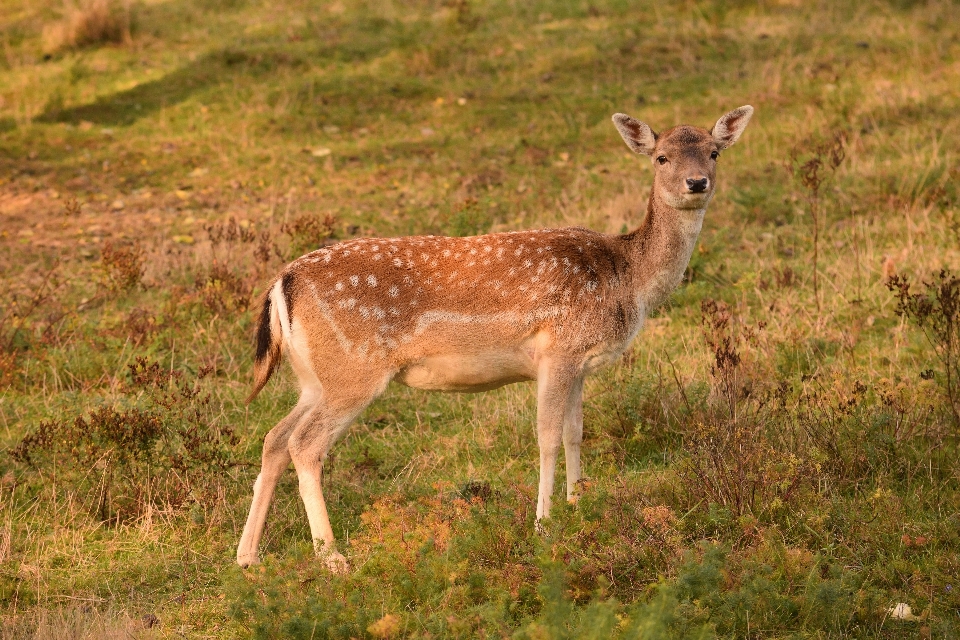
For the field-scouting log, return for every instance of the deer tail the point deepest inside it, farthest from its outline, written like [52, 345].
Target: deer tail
[270, 336]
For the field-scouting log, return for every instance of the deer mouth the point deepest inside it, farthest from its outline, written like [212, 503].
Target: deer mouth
[688, 200]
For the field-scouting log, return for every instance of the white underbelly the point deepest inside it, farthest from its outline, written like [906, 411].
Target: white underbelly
[468, 372]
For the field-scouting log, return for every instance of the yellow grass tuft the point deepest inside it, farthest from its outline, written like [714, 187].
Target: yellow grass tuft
[87, 23]
[77, 623]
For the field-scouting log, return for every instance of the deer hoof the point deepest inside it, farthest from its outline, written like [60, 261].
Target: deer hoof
[247, 559]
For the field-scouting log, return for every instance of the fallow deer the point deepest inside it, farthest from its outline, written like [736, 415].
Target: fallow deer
[472, 314]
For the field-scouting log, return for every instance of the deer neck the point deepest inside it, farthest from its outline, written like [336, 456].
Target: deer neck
[660, 249]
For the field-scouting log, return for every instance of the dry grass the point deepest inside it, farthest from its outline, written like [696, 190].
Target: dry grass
[88, 22]
[79, 623]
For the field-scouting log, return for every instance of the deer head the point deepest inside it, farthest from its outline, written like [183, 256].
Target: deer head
[684, 157]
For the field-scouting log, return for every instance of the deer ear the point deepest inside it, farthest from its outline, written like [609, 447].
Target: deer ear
[638, 135]
[729, 127]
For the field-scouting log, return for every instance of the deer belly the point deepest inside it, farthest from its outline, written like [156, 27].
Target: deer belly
[468, 372]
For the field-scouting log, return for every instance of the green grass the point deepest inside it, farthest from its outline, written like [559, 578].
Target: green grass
[459, 118]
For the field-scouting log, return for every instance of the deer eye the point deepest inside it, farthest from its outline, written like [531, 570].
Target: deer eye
[662, 159]
[714, 155]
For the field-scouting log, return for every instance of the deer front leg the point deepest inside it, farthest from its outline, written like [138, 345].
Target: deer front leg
[572, 437]
[555, 385]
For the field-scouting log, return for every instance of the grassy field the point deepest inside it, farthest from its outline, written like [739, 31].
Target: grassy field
[777, 456]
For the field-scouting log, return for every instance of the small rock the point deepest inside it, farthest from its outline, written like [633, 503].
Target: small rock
[117, 205]
[901, 611]
[426, 131]
[321, 152]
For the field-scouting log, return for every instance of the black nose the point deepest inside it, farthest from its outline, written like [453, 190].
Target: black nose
[697, 186]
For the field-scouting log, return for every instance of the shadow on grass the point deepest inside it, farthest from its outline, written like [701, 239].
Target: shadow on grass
[126, 107]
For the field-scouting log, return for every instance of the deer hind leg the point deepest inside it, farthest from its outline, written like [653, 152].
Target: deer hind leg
[556, 383]
[572, 437]
[276, 457]
[309, 444]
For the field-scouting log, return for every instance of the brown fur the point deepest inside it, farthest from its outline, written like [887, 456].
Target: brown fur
[471, 314]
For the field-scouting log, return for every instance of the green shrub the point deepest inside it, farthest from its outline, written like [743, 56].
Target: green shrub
[120, 461]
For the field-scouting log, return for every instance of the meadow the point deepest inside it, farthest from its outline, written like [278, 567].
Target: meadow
[775, 457]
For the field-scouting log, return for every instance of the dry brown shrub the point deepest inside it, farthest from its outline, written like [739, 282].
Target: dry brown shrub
[406, 527]
[141, 325]
[736, 458]
[7, 368]
[309, 232]
[934, 307]
[19, 310]
[222, 290]
[88, 22]
[122, 266]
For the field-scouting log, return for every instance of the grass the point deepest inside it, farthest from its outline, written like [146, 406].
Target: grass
[150, 188]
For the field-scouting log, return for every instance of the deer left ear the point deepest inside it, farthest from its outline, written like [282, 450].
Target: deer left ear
[729, 127]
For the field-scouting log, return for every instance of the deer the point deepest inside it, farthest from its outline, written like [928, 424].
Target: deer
[470, 314]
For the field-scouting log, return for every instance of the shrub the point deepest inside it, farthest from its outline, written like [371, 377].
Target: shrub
[807, 164]
[16, 315]
[936, 310]
[222, 290]
[121, 266]
[768, 593]
[309, 233]
[120, 461]
[733, 461]
[467, 219]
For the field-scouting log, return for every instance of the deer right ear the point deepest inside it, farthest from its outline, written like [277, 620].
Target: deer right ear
[638, 135]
